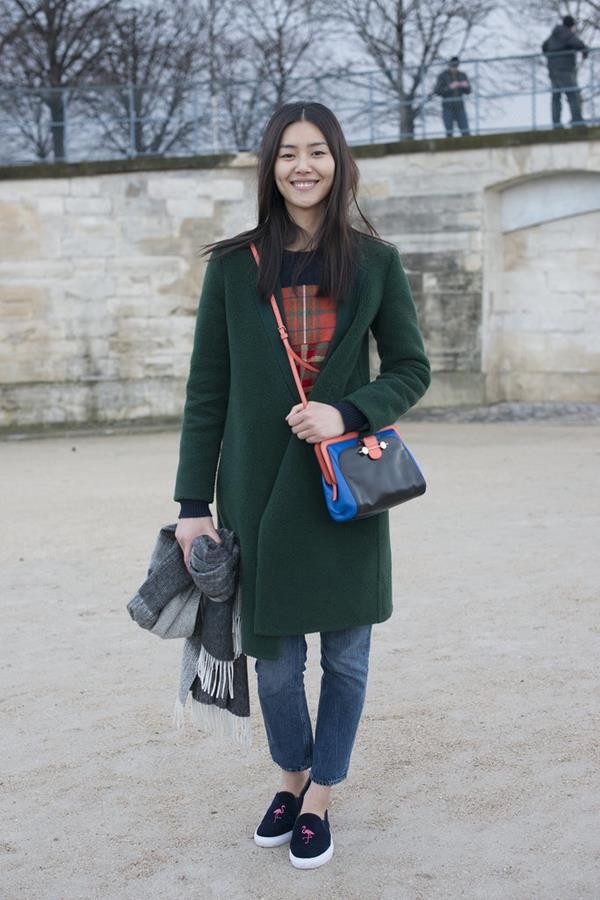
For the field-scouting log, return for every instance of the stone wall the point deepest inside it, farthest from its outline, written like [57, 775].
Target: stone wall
[100, 275]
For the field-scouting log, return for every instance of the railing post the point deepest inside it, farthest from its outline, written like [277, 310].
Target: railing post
[65, 111]
[423, 99]
[477, 123]
[131, 104]
[196, 126]
[214, 123]
[533, 93]
[592, 87]
[371, 124]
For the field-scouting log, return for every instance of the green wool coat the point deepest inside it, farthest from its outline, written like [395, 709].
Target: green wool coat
[300, 571]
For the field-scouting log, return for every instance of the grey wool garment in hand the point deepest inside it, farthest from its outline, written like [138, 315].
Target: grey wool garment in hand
[167, 603]
[203, 605]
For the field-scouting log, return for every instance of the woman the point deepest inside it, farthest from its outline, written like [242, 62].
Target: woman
[300, 571]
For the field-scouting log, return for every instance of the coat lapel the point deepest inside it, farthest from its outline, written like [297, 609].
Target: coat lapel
[351, 320]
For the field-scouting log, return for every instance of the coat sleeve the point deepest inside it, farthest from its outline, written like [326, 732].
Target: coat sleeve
[405, 371]
[576, 43]
[207, 393]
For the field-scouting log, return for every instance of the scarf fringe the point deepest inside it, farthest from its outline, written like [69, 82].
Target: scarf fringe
[237, 620]
[215, 675]
[216, 721]
[216, 679]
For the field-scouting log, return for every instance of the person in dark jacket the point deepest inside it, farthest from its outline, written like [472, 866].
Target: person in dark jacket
[451, 85]
[561, 54]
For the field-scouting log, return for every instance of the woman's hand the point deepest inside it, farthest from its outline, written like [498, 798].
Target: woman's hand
[188, 529]
[315, 422]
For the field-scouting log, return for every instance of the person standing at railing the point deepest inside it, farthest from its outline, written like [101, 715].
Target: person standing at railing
[561, 49]
[451, 85]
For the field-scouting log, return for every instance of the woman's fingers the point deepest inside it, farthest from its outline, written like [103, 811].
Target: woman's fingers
[188, 530]
[298, 407]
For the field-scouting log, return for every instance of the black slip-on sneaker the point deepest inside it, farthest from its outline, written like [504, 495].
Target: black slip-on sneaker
[278, 821]
[311, 844]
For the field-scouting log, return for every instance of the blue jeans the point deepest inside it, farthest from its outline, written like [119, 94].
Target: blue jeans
[345, 664]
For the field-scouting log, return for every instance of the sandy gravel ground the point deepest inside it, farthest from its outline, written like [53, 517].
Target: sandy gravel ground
[475, 773]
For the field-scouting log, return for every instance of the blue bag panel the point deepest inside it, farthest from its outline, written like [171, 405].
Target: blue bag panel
[344, 508]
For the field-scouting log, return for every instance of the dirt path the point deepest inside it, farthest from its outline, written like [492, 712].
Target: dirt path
[475, 772]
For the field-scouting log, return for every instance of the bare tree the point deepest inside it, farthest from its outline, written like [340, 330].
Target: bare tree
[269, 57]
[57, 45]
[147, 76]
[12, 21]
[404, 38]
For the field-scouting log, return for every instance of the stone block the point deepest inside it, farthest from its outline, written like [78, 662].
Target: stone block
[377, 189]
[539, 352]
[547, 240]
[20, 300]
[87, 187]
[172, 185]
[588, 259]
[450, 388]
[539, 320]
[88, 206]
[570, 279]
[424, 214]
[542, 387]
[472, 262]
[27, 191]
[549, 304]
[48, 207]
[191, 208]
[440, 242]
[222, 188]
[37, 269]
[86, 242]
[21, 231]
[522, 286]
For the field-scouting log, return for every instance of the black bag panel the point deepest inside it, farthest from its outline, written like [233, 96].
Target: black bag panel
[378, 484]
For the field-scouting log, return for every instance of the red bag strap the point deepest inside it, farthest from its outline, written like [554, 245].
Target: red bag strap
[291, 354]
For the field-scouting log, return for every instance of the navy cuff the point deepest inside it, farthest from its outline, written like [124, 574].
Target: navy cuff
[354, 420]
[194, 509]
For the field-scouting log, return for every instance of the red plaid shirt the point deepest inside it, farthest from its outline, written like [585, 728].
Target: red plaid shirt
[310, 323]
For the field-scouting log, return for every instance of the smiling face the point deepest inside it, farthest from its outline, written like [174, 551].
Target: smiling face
[304, 167]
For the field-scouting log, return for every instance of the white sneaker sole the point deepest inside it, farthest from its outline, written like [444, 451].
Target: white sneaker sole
[312, 862]
[272, 841]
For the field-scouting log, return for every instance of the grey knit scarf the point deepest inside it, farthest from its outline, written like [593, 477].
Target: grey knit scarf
[203, 606]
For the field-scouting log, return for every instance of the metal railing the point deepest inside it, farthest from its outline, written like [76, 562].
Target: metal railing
[92, 122]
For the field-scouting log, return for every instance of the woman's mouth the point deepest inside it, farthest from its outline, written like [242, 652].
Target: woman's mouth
[304, 185]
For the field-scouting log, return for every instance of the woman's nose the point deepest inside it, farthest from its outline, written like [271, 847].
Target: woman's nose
[303, 165]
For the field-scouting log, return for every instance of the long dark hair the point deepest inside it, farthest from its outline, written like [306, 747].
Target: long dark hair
[336, 239]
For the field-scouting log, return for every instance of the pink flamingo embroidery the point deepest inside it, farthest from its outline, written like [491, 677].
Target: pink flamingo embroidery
[308, 834]
[279, 812]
